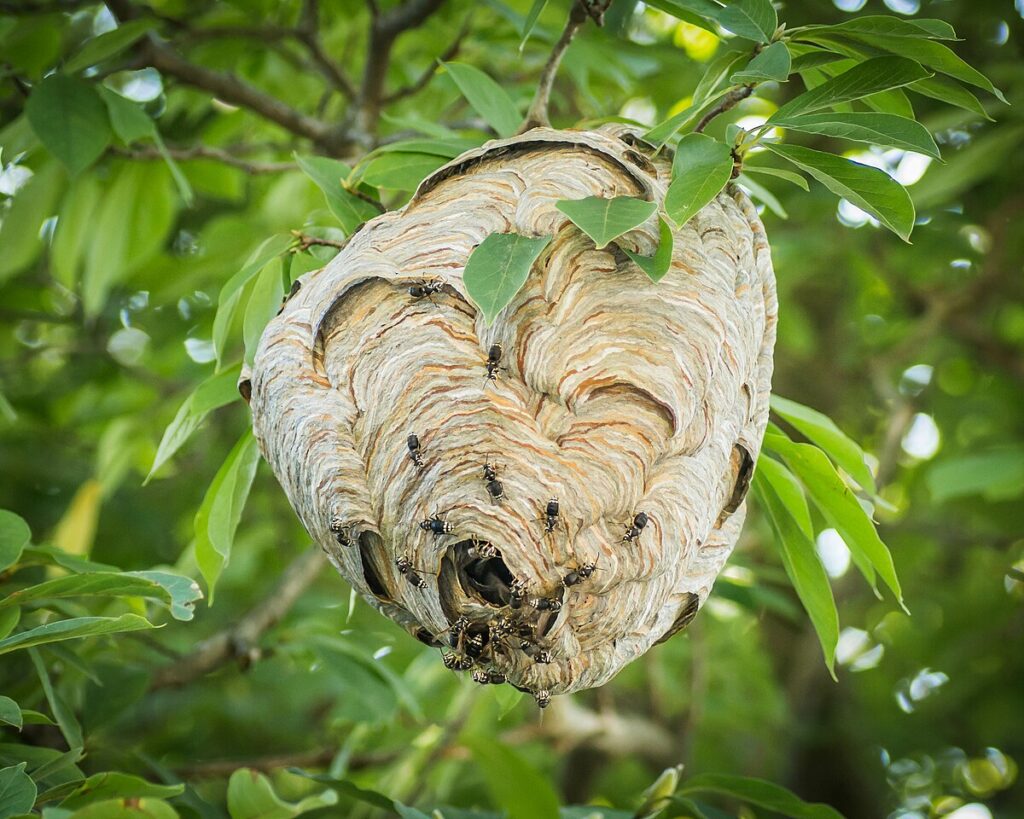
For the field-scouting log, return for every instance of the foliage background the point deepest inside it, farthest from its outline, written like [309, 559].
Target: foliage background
[916, 350]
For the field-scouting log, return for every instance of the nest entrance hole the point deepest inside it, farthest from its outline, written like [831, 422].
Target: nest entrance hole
[483, 577]
[369, 548]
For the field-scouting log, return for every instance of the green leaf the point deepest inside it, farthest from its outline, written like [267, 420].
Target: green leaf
[264, 301]
[933, 55]
[401, 171]
[215, 392]
[950, 92]
[74, 229]
[878, 129]
[752, 19]
[773, 63]
[789, 176]
[516, 787]
[14, 537]
[128, 119]
[32, 205]
[787, 513]
[762, 193]
[893, 27]
[814, 59]
[656, 266]
[997, 475]
[251, 796]
[9, 618]
[129, 808]
[864, 79]
[71, 629]
[840, 508]
[823, 431]
[66, 720]
[868, 188]
[531, 20]
[606, 219]
[221, 509]
[113, 784]
[328, 174]
[448, 147]
[701, 13]
[761, 793]
[70, 119]
[125, 236]
[17, 791]
[346, 788]
[10, 713]
[98, 584]
[230, 293]
[702, 167]
[893, 101]
[488, 99]
[498, 267]
[109, 44]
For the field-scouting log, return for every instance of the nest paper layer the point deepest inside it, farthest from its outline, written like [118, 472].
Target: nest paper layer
[618, 396]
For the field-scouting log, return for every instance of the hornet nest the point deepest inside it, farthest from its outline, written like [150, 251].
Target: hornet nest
[548, 497]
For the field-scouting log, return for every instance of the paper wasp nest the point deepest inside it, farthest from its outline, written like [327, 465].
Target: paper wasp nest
[638, 406]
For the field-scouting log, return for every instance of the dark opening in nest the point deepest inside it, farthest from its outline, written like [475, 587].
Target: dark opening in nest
[482, 573]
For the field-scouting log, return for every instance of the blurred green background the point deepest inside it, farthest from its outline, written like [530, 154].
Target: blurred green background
[916, 350]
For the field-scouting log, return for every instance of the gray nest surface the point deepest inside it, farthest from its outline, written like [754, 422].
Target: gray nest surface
[550, 524]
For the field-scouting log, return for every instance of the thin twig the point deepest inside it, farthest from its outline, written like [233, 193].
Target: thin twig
[306, 241]
[730, 100]
[239, 642]
[425, 78]
[308, 34]
[205, 152]
[537, 116]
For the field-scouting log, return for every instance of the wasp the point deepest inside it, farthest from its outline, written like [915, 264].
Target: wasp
[425, 289]
[455, 662]
[493, 361]
[413, 442]
[577, 576]
[488, 677]
[517, 592]
[482, 548]
[340, 531]
[543, 698]
[543, 657]
[436, 525]
[494, 487]
[547, 604]
[633, 530]
[405, 568]
[551, 515]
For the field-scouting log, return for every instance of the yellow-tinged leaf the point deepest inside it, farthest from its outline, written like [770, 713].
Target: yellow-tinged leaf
[77, 528]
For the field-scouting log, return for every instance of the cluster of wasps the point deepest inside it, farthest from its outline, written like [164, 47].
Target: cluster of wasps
[474, 644]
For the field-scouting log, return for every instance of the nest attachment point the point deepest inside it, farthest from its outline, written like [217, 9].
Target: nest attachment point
[546, 498]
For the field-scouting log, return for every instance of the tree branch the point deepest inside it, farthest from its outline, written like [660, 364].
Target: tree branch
[384, 30]
[230, 89]
[729, 101]
[239, 642]
[204, 152]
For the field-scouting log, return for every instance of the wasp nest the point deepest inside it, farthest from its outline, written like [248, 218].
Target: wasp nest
[545, 498]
